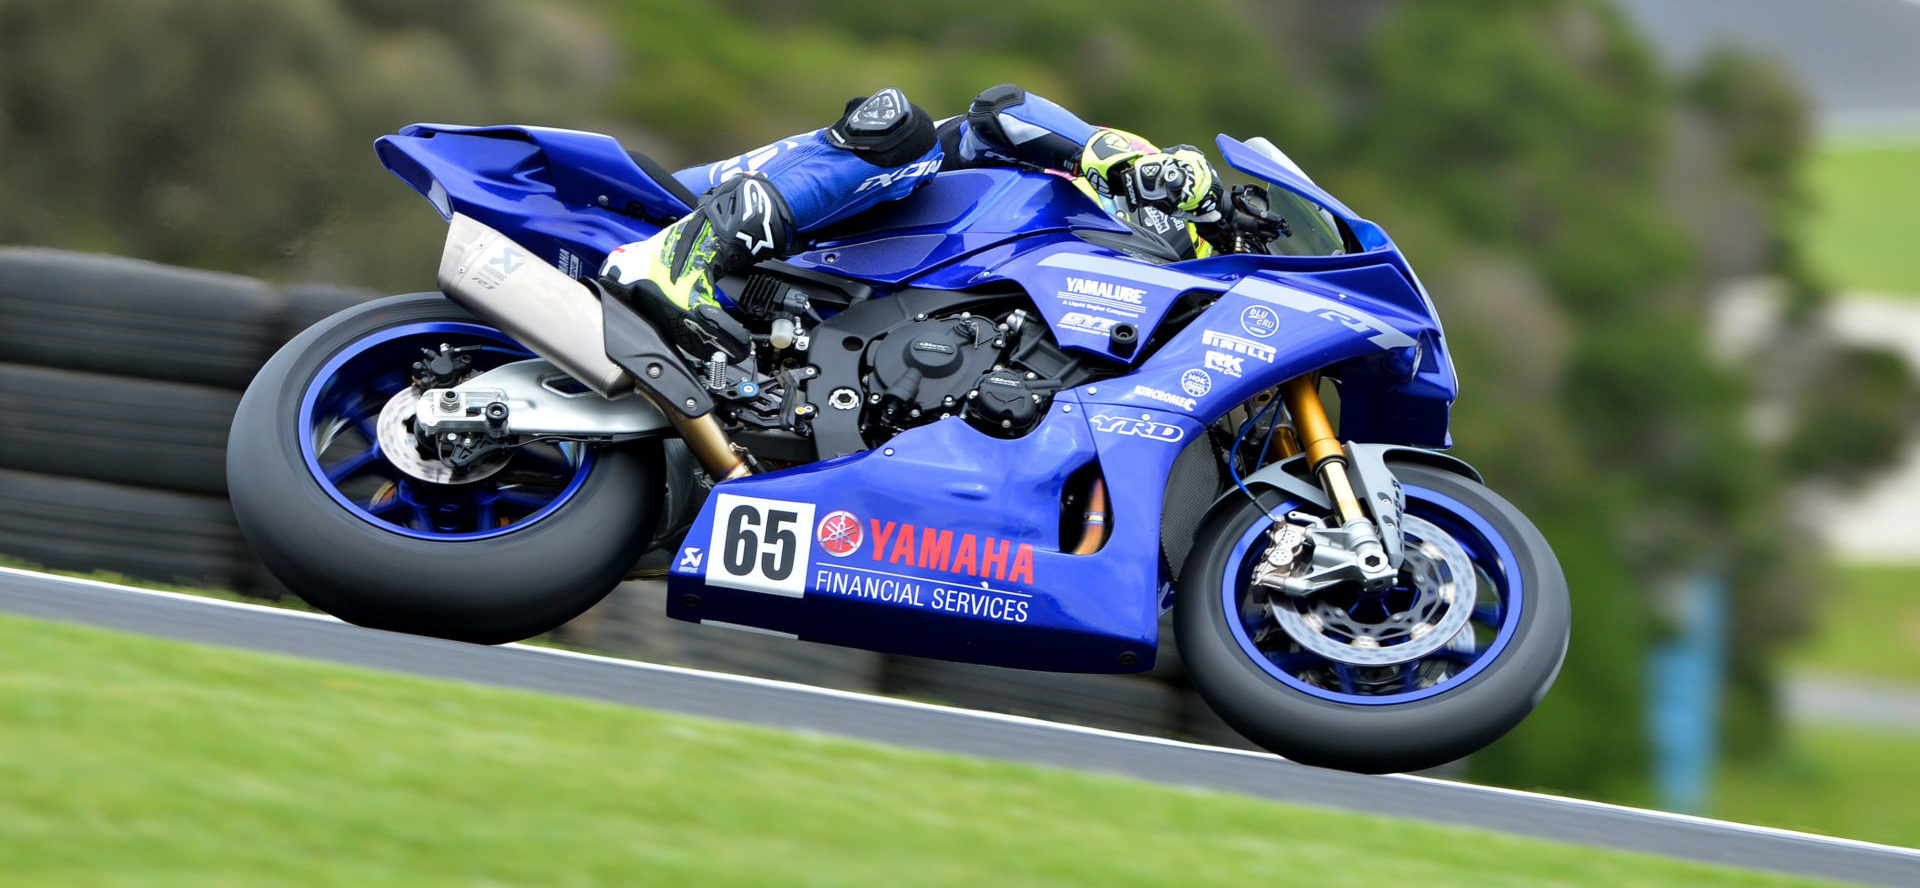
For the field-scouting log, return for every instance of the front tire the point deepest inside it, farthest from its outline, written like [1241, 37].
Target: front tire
[1303, 701]
[497, 559]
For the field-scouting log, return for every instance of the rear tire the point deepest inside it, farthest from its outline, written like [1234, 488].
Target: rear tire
[506, 582]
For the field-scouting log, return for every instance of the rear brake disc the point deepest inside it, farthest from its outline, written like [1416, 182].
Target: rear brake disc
[397, 445]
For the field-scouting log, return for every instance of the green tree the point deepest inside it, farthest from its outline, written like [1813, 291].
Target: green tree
[238, 135]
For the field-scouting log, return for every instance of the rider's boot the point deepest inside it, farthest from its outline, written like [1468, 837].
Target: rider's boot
[669, 278]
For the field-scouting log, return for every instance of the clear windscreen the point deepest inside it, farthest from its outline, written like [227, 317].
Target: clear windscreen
[1310, 230]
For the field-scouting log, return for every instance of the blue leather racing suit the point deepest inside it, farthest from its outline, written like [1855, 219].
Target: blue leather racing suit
[826, 177]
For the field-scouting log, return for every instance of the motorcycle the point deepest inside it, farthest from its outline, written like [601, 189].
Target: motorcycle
[993, 422]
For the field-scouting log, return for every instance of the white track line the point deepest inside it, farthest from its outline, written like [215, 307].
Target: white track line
[955, 711]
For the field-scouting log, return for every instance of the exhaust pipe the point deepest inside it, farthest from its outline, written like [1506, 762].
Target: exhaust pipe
[507, 286]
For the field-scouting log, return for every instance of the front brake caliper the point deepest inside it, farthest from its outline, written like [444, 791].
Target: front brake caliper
[1287, 551]
[1305, 556]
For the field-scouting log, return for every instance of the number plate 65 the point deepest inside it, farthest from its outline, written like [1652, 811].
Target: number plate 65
[761, 545]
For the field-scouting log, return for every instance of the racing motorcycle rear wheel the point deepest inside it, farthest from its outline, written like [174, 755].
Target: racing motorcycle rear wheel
[336, 499]
[1463, 646]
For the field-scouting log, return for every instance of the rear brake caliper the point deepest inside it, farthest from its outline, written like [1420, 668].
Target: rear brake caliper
[443, 368]
[469, 449]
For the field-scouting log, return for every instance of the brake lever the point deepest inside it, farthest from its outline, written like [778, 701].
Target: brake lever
[1253, 215]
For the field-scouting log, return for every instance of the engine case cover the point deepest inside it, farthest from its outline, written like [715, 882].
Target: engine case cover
[1006, 405]
[931, 365]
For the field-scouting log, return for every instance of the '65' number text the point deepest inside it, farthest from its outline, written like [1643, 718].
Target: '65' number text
[762, 544]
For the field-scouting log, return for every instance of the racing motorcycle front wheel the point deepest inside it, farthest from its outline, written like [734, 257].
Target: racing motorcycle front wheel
[336, 498]
[1454, 655]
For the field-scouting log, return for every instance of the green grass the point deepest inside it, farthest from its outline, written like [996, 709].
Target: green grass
[1847, 782]
[1868, 624]
[1867, 216]
[127, 760]
[1844, 781]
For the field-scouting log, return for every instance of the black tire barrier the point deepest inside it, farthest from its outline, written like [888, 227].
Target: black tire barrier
[129, 354]
[81, 525]
[309, 304]
[167, 435]
[104, 314]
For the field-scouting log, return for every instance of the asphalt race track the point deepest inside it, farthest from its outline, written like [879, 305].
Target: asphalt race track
[986, 735]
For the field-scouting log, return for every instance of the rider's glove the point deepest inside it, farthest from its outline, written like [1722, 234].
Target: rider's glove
[1178, 180]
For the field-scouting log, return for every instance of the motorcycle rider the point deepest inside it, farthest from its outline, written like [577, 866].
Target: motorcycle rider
[882, 147]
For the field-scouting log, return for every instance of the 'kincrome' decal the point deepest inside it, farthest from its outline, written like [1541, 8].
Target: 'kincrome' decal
[1154, 394]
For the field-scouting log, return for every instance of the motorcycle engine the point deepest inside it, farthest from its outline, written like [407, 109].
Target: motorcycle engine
[972, 366]
[926, 368]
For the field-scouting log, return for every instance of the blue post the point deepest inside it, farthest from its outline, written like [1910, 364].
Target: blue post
[1684, 674]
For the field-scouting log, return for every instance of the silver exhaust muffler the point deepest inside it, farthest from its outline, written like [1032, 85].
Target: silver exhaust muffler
[507, 286]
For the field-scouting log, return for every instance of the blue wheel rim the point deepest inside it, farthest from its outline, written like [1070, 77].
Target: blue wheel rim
[341, 449]
[1495, 618]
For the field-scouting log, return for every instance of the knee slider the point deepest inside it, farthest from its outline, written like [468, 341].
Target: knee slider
[884, 129]
[750, 218]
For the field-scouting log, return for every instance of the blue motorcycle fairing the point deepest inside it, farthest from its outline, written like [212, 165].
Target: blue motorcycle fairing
[1084, 291]
[1262, 331]
[955, 548]
[1387, 398]
[560, 193]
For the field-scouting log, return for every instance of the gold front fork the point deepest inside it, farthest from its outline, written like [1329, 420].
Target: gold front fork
[1324, 454]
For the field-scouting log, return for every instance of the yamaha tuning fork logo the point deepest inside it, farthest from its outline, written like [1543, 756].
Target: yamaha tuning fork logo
[839, 533]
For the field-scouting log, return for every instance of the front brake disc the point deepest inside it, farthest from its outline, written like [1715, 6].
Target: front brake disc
[1438, 573]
